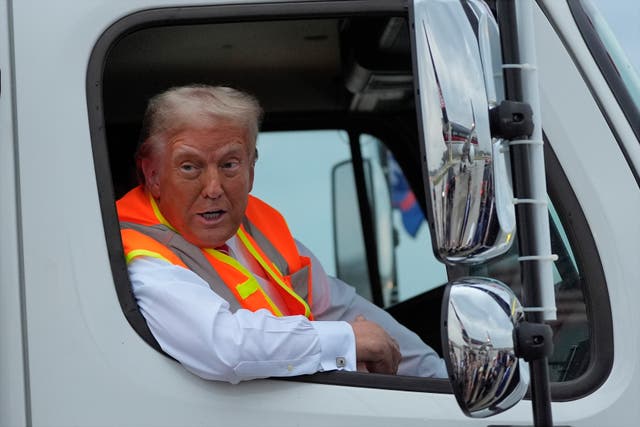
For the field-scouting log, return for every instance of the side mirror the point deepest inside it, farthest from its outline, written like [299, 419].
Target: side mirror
[480, 318]
[350, 251]
[466, 173]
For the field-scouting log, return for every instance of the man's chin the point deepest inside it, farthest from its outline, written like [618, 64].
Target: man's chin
[210, 241]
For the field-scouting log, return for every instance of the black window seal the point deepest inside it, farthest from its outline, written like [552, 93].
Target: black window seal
[595, 291]
[95, 106]
[366, 219]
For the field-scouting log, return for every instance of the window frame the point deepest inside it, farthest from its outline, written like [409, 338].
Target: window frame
[350, 123]
[600, 321]
[601, 346]
[594, 286]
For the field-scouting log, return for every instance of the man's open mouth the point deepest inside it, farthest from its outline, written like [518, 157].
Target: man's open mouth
[211, 215]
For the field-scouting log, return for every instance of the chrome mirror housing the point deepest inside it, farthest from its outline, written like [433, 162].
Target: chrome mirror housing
[466, 172]
[479, 320]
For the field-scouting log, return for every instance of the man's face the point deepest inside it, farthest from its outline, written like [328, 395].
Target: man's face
[201, 182]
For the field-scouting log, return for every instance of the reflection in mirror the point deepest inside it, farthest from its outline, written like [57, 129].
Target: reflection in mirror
[490, 53]
[469, 190]
[479, 318]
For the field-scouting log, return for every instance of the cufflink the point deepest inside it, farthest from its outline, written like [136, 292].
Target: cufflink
[341, 362]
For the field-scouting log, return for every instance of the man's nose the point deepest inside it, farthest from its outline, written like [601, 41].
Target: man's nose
[212, 186]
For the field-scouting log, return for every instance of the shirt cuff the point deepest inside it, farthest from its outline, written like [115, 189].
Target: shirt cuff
[338, 345]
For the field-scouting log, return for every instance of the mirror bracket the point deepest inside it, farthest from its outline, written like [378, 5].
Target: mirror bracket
[533, 341]
[511, 120]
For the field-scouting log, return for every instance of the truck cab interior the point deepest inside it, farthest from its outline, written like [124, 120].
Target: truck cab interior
[339, 67]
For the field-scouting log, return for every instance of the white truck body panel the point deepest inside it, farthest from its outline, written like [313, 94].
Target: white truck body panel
[12, 371]
[68, 355]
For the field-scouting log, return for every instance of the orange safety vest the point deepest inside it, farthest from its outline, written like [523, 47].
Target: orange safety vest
[265, 234]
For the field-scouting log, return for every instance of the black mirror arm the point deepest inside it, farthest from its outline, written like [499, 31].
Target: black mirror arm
[521, 157]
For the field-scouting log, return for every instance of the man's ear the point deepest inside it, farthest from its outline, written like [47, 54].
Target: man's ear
[251, 174]
[151, 176]
[252, 169]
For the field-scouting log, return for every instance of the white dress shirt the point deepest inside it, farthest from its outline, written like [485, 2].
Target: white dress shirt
[195, 326]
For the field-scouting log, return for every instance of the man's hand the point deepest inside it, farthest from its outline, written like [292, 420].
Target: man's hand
[375, 348]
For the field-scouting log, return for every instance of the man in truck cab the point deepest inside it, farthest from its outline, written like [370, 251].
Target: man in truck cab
[224, 287]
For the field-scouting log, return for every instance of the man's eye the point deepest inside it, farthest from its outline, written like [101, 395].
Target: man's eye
[230, 164]
[188, 169]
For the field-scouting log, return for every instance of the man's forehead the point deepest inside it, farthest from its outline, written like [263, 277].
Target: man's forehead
[208, 144]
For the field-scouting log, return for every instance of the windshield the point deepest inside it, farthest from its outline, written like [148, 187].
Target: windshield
[616, 23]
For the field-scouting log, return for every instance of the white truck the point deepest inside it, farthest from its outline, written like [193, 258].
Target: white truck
[348, 89]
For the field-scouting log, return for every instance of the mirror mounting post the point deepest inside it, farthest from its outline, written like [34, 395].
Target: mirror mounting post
[529, 184]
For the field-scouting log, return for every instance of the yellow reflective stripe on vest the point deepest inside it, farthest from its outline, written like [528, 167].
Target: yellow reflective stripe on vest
[276, 277]
[143, 252]
[247, 288]
[156, 211]
[251, 285]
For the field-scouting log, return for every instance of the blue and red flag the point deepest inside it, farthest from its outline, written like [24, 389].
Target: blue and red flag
[403, 199]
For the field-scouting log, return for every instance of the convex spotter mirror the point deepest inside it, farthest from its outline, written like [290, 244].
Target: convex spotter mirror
[480, 318]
